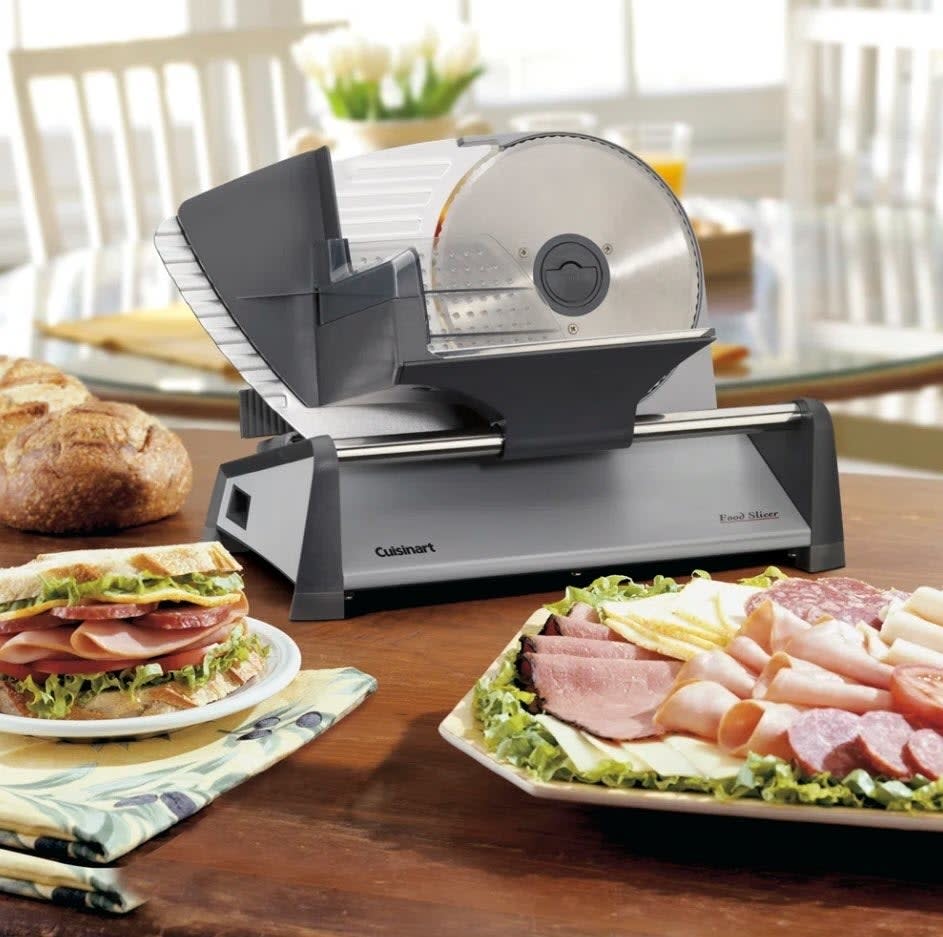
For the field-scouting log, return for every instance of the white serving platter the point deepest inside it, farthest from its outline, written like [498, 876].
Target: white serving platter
[459, 728]
[282, 665]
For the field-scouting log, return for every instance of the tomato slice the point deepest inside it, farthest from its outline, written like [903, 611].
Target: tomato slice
[103, 610]
[17, 671]
[81, 665]
[918, 691]
[193, 656]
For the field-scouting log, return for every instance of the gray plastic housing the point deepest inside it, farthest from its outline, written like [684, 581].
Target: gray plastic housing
[355, 536]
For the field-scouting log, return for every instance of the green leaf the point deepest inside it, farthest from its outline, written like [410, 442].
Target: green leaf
[611, 588]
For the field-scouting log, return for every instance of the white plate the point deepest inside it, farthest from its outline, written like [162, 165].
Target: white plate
[281, 666]
[459, 728]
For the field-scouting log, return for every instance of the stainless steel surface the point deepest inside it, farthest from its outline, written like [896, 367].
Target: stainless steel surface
[480, 445]
[533, 191]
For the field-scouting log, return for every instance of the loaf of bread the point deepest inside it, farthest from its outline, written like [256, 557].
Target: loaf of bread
[96, 466]
[30, 390]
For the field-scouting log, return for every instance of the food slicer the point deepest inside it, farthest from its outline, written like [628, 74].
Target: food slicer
[482, 365]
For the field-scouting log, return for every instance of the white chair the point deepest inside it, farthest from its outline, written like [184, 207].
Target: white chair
[863, 105]
[255, 111]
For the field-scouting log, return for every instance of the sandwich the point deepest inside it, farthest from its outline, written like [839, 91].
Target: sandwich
[108, 634]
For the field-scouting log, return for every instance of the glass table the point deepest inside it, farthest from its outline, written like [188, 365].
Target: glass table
[841, 301]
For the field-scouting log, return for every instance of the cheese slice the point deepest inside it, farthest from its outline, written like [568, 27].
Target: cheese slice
[709, 759]
[681, 648]
[585, 757]
[617, 753]
[662, 759]
[162, 595]
[927, 603]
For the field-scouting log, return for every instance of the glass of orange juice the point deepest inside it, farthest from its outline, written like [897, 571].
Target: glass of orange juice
[665, 147]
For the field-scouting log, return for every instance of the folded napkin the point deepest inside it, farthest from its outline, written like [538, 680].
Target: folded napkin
[64, 801]
[172, 334]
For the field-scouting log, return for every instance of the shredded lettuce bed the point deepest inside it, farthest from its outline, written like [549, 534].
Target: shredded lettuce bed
[55, 697]
[206, 584]
[514, 736]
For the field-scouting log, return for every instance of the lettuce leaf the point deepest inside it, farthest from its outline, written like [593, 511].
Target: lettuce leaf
[207, 584]
[611, 588]
[514, 736]
[58, 694]
[764, 579]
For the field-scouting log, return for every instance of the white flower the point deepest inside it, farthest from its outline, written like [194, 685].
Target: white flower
[459, 56]
[405, 57]
[372, 61]
[311, 56]
[428, 42]
[344, 50]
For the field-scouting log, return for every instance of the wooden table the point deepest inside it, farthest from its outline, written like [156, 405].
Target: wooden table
[379, 827]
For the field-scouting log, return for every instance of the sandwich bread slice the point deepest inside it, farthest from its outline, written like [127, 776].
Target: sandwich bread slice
[105, 634]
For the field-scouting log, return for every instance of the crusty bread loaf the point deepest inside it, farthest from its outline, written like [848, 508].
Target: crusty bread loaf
[151, 701]
[30, 390]
[179, 559]
[96, 466]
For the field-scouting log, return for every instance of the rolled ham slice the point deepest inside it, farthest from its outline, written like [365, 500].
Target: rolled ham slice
[587, 647]
[772, 626]
[696, 707]
[718, 667]
[838, 648]
[758, 726]
[748, 652]
[614, 699]
[807, 688]
[783, 661]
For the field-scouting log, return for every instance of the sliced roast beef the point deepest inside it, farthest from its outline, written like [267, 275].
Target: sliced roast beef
[587, 647]
[568, 627]
[611, 698]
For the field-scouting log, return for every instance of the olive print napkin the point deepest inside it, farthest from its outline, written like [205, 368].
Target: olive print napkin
[67, 807]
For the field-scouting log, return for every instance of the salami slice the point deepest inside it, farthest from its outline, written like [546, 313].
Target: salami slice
[882, 736]
[826, 740]
[32, 623]
[924, 753]
[816, 599]
[102, 611]
[173, 617]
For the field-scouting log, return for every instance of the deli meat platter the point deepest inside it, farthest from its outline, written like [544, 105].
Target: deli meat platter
[773, 698]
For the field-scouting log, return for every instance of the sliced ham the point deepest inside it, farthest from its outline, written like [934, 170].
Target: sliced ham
[838, 647]
[784, 627]
[808, 688]
[758, 726]
[783, 661]
[826, 740]
[124, 640]
[563, 625]
[696, 707]
[587, 647]
[873, 642]
[718, 667]
[748, 652]
[27, 646]
[613, 699]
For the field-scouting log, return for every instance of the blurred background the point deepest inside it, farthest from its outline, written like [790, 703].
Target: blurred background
[803, 137]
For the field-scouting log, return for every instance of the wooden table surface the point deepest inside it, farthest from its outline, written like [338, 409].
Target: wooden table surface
[381, 828]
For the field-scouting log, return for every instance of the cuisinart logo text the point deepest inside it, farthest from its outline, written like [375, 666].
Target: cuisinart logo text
[748, 516]
[403, 550]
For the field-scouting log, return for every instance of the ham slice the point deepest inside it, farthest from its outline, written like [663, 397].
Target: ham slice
[613, 699]
[587, 647]
[27, 646]
[696, 707]
[123, 640]
[838, 647]
[758, 726]
[718, 667]
[748, 652]
[808, 688]
[783, 661]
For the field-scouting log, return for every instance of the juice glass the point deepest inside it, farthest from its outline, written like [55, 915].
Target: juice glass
[665, 147]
